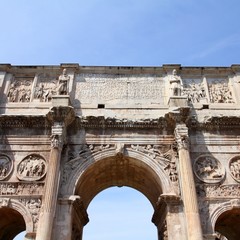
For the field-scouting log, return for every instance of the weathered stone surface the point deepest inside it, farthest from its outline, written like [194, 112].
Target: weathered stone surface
[68, 132]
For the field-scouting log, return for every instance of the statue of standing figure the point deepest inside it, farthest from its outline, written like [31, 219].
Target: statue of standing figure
[176, 84]
[62, 85]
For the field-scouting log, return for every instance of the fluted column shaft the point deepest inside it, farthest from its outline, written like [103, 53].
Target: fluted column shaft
[47, 214]
[188, 190]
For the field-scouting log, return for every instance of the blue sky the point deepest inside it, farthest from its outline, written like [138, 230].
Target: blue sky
[120, 33]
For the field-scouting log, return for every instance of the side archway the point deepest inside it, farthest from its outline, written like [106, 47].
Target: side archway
[226, 219]
[14, 218]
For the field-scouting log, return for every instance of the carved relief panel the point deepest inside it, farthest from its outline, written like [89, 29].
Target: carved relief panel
[20, 89]
[6, 167]
[234, 167]
[195, 90]
[208, 169]
[219, 91]
[32, 168]
[45, 87]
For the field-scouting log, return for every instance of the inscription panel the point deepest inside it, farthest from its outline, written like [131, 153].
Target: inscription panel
[105, 88]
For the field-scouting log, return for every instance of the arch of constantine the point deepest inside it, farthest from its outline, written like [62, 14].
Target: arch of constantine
[68, 132]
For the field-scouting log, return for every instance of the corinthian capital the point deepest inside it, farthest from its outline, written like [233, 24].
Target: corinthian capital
[181, 136]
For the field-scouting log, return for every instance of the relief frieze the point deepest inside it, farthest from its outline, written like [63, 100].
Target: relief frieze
[20, 188]
[32, 168]
[218, 191]
[6, 167]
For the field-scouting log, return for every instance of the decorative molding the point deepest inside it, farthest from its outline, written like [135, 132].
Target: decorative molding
[24, 122]
[102, 122]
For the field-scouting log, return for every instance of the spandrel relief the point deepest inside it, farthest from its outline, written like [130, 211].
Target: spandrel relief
[31, 168]
[20, 89]
[195, 91]
[220, 92]
[208, 169]
[6, 167]
[234, 167]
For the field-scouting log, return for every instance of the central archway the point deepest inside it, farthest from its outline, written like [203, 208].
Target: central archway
[108, 170]
[120, 213]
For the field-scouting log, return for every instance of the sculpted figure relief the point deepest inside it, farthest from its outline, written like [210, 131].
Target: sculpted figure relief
[5, 167]
[220, 93]
[175, 84]
[208, 169]
[195, 92]
[20, 91]
[31, 168]
[234, 166]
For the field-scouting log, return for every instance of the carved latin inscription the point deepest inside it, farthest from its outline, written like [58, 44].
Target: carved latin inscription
[5, 167]
[31, 168]
[111, 87]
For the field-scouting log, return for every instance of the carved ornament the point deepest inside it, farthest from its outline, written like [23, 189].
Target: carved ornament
[234, 167]
[102, 122]
[6, 167]
[164, 154]
[218, 191]
[21, 188]
[32, 168]
[208, 169]
[34, 206]
[220, 93]
[24, 122]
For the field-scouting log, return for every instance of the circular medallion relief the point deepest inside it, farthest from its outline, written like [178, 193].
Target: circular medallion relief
[6, 167]
[234, 167]
[208, 169]
[32, 167]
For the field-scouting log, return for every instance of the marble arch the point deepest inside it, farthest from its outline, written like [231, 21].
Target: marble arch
[171, 132]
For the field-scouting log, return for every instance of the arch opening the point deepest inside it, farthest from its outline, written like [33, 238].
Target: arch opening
[228, 224]
[11, 223]
[120, 213]
[116, 171]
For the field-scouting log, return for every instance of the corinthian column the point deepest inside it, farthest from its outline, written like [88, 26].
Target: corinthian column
[188, 190]
[60, 117]
[51, 189]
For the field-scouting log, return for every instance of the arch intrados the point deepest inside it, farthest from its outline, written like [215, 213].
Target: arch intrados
[228, 224]
[142, 175]
[11, 223]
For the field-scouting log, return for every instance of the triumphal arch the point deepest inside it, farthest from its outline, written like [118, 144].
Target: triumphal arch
[68, 132]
